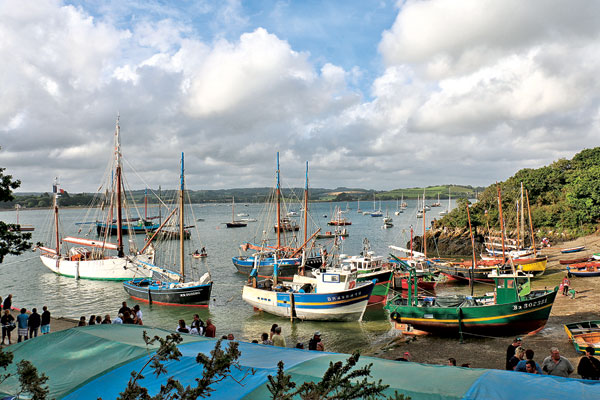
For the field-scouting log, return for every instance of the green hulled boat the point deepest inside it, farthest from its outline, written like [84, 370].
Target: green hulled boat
[514, 308]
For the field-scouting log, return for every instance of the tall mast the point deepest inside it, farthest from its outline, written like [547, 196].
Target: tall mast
[278, 207]
[424, 239]
[145, 204]
[232, 209]
[501, 222]
[56, 216]
[473, 247]
[530, 226]
[119, 183]
[181, 225]
[522, 219]
[306, 204]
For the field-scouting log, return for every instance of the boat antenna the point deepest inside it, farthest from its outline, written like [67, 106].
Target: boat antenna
[181, 224]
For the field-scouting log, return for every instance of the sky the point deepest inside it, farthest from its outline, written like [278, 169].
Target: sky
[373, 94]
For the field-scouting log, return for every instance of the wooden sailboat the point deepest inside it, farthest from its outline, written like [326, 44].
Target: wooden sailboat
[266, 256]
[92, 258]
[234, 223]
[20, 227]
[171, 288]
[447, 210]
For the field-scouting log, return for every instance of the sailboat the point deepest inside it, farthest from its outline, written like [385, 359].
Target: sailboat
[337, 219]
[446, 211]
[19, 227]
[91, 259]
[288, 259]
[358, 210]
[399, 209]
[171, 288]
[234, 223]
[376, 213]
[437, 203]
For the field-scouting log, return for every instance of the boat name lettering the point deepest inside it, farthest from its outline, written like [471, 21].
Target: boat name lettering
[189, 294]
[342, 297]
[530, 304]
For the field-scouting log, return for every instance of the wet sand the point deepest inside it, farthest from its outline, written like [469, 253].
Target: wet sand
[491, 352]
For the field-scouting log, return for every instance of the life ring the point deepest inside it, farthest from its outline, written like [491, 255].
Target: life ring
[395, 316]
[352, 285]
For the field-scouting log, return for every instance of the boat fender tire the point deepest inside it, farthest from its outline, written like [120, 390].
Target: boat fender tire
[352, 285]
[395, 316]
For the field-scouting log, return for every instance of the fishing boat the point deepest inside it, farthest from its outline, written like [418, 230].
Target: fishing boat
[338, 219]
[584, 334]
[370, 267]
[168, 287]
[573, 249]
[332, 294]
[585, 269]
[337, 233]
[289, 260]
[513, 308]
[20, 227]
[97, 258]
[234, 223]
[287, 225]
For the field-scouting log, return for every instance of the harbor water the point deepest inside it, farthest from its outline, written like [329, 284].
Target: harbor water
[33, 285]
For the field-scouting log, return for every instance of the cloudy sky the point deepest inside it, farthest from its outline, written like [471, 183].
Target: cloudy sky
[373, 93]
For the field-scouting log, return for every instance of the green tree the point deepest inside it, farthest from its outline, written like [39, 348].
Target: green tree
[30, 382]
[11, 240]
[340, 381]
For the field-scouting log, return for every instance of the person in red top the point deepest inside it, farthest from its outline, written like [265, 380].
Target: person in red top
[211, 330]
[566, 282]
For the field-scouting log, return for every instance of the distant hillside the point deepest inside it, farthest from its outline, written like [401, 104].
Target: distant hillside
[564, 198]
[248, 195]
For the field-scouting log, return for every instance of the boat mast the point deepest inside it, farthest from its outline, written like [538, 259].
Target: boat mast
[232, 209]
[305, 220]
[119, 184]
[501, 222]
[278, 207]
[473, 247]
[145, 204]
[424, 240]
[522, 219]
[181, 226]
[530, 226]
[56, 216]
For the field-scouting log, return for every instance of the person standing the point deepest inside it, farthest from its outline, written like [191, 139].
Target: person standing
[566, 282]
[589, 366]
[137, 315]
[517, 358]
[33, 323]
[531, 367]
[197, 325]
[211, 330]
[265, 339]
[124, 308]
[278, 339]
[313, 344]
[106, 320]
[82, 321]
[45, 329]
[522, 367]
[8, 324]
[557, 365]
[22, 327]
[118, 320]
[510, 351]
[7, 302]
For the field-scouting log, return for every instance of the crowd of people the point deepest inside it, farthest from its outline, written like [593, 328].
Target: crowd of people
[520, 359]
[27, 324]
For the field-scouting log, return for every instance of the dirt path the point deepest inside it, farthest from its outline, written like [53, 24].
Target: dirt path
[491, 352]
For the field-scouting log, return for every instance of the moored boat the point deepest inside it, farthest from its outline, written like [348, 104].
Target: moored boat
[584, 334]
[514, 308]
[573, 249]
[97, 258]
[168, 287]
[586, 269]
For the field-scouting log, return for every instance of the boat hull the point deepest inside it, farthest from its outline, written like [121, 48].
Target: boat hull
[496, 319]
[382, 281]
[584, 270]
[112, 229]
[156, 292]
[347, 305]
[113, 268]
[287, 267]
[584, 334]
[479, 274]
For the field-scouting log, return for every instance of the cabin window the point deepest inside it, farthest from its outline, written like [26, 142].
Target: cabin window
[510, 284]
[501, 284]
[333, 278]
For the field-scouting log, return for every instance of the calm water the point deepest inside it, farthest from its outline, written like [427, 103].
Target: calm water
[33, 285]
